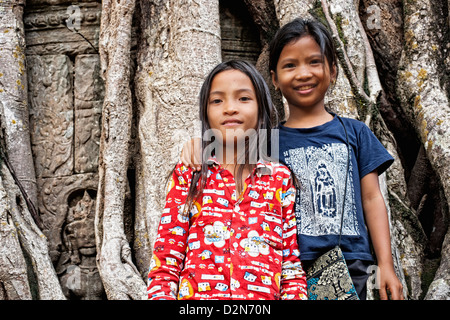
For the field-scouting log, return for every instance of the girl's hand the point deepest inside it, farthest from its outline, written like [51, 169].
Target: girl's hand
[389, 282]
[191, 154]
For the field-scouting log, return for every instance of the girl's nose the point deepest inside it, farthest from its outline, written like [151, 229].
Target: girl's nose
[303, 72]
[229, 107]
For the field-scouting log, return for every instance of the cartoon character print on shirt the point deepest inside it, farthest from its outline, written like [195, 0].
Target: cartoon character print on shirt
[254, 244]
[186, 291]
[194, 213]
[170, 185]
[272, 225]
[181, 180]
[177, 230]
[154, 263]
[235, 284]
[255, 228]
[216, 234]
[278, 280]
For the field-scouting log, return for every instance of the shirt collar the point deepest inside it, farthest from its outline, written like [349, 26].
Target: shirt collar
[262, 167]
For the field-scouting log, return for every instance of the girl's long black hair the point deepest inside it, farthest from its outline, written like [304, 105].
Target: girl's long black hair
[267, 119]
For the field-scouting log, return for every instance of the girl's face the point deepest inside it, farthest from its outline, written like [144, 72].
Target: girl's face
[302, 74]
[232, 104]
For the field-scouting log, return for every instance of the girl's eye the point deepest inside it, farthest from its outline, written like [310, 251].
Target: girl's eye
[215, 101]
[245, 99]
[316, 61]
[289, 66]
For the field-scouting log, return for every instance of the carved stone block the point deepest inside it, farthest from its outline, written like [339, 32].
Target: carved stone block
[55, 2]
[89, 92]
[63, 29]
[56, 196]
[51, 114]
[67, 206]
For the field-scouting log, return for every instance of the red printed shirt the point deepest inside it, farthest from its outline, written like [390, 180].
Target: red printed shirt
[233, 247]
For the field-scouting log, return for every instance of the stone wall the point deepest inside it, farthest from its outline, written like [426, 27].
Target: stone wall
[65, 93]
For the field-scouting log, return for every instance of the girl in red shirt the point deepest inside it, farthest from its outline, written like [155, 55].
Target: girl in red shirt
[229, 230]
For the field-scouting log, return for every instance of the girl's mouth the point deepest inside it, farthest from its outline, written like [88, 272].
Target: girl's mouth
[231, 123]
[305, 89]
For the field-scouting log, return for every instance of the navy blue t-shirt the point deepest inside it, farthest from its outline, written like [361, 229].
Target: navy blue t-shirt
[318, 157]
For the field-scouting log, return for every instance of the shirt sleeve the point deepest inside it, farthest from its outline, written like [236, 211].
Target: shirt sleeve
[372, 155]
[293, 278]
[170, 244]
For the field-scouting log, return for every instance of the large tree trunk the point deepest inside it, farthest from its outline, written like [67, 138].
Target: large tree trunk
[13, 95]
[384, 27]
[440, 287]
[179, 45]
[423, 92]
[13, 269]
[120, 277]
[28, 245]
[26, 270]
[422, 87]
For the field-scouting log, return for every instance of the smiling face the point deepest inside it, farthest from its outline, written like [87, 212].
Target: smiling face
[232, 104]
[303, 74]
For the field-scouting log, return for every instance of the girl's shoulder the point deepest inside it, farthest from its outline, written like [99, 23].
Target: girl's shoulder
[356, 128]
[354, 123]
[277, 168]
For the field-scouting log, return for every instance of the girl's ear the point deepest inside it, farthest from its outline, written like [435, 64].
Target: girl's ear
[274, 79]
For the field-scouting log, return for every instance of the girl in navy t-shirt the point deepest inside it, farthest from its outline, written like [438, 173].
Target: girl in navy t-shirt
[313, 144]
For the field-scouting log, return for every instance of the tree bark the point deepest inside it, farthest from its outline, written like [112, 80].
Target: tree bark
[24, 246]
[13, 269]
[14, 95]
[42, 277]
[179, 45]
[288, 10]
[440, 287]
[423, 94]
[120, 277]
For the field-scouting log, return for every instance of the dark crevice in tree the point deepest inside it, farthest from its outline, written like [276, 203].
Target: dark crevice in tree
[264, 17]
[240, 35]
[32, 278]
[387, 54]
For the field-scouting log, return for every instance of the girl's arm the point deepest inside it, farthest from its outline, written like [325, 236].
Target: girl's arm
[293, 278]
[378, 224]
[171, 241]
